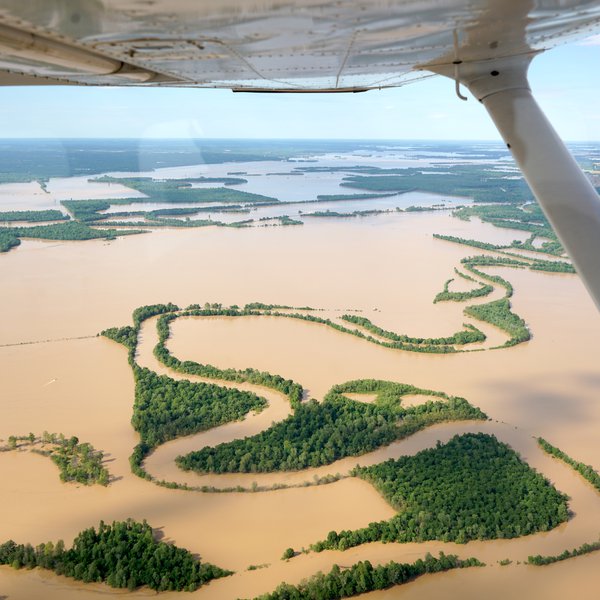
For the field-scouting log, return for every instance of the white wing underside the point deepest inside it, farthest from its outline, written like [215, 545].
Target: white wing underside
[304, 45]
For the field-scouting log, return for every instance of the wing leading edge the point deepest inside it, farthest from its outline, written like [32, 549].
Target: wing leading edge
[266, 45]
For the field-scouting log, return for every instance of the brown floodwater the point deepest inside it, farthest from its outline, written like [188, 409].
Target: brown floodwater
[584, 501]
[390, 268]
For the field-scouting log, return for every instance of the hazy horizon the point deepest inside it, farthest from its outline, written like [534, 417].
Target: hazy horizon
[282, 139]
[562, 81]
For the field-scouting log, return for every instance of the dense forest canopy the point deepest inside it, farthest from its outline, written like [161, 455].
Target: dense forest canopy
[473, 487]
[122, 555]
[319, 433]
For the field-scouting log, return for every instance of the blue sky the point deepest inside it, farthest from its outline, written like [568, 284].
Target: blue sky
[566, 82]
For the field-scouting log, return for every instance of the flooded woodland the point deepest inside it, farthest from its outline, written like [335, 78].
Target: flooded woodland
[58, 375]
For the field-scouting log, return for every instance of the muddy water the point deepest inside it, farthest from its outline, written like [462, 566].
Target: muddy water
[584, 501]
[25, 196]
[30, 196]
[366, 398]
[390, 263]
[161, 462]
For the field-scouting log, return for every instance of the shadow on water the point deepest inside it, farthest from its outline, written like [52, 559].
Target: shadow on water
[543, 400]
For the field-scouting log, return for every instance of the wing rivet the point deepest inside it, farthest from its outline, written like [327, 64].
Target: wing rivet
[495, 73]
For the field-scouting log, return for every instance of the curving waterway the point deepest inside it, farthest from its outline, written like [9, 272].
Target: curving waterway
[584, 501]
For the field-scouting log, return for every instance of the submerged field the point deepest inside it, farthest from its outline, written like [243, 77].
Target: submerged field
[386, 269]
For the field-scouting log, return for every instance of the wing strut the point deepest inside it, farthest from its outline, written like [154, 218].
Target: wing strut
[565, 194]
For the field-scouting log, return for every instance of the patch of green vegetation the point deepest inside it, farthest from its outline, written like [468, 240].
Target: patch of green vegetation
[356, 213]
[70, 230]
[142, 313]
[469, 336]
[181, 190]
[473, 487]
[256, 567]
[552, 266]
[525, 217]
[223, 180]
[240, 224]
[79, 463]
[535, 264]
[88, 210]
[469, 181]
[343, 197]
[128, 335]
[328, 213]
[166, 408]
[445, 295]
[587, 471]
[123, 335]
[466, 242]
[363, 577]
[122, 555]
[177, 223]
[8, 240]
[540, 560]
[499, 313]
[420, 209]
[552, 246]
[319, 433]
[287, 220]
[33, 216]
[472, 263]
[175, 212]
[288, 553]
[440, 349]
[268, 221]
[261, 306]
[92, 211]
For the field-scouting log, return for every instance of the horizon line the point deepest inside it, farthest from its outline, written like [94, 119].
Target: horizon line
[268, 139]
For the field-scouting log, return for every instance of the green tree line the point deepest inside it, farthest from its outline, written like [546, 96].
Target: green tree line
[69, 230]
[33, 216]
[363, 577]
[469, 336]
[587, 471]
[445, 295]
[540, 560]
[122, 555]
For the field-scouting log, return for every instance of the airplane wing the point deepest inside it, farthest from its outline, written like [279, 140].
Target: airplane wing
[327, 46]
[298, 45]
